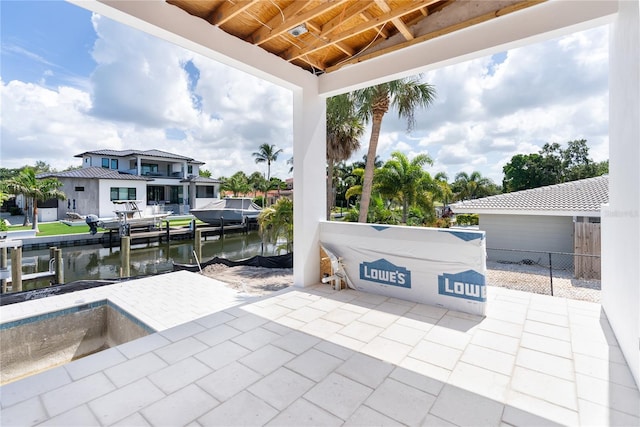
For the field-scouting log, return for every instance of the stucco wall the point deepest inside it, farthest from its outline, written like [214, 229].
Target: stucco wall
[528, 232]
[106, 207]
[86, 201]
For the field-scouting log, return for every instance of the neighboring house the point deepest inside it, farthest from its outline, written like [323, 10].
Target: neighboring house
[155, 177]
[541, 219]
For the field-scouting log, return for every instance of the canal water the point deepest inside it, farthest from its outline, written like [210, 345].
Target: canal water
[96, 262]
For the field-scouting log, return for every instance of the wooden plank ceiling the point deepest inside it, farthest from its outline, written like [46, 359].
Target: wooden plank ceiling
[322, 36]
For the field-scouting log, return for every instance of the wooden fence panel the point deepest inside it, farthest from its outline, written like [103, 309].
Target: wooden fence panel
[587, 242]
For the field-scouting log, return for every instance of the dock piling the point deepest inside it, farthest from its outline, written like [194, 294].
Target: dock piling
[4, 263]
[16, 269]
[58, 266]
[197, 243]
[125, 256]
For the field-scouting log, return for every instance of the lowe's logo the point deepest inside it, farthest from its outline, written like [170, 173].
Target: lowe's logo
[468, 285]
[382, 271]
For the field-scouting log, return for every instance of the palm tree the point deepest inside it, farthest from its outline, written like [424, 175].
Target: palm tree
[444, 192]
[276, 222]
[237, 184]
[360, 164]
[356, 188]
[256, 181]
[344, 129]
[34, 190]
[266, 154]
[405, 95]
[405, 180]
[472, 186]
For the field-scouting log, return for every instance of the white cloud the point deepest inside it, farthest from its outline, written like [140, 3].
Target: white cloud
[486, 110]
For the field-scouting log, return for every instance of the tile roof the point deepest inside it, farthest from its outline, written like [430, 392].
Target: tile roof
[94, 173]
[569, 198]
[128, 153]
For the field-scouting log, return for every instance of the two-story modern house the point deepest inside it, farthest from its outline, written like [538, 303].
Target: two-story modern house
[152, 176]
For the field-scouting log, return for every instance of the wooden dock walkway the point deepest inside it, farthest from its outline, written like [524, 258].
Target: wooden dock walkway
[34, 276]
[177, 233]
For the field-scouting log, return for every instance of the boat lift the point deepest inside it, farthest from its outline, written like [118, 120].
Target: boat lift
[14, 275]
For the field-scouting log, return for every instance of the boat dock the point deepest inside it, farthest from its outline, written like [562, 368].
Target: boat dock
[178, 233]
[111, 238]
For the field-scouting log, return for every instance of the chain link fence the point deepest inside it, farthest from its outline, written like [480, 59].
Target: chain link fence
[568, 275]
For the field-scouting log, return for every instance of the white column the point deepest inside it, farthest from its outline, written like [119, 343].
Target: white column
[309, 140]
[620, 219]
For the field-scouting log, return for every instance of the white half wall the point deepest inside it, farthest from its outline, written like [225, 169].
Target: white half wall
[621, 219]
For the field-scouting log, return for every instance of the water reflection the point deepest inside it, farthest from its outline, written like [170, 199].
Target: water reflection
[97, 262]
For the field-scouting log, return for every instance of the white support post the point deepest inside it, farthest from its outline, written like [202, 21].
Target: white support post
[309, 153]
[621, 219]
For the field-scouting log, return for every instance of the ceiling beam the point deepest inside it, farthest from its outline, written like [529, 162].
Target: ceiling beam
[227, 11]
[292, 18]
[382, 31]
[458, 25]
[400, 25]
[527, 26]
[295, 52]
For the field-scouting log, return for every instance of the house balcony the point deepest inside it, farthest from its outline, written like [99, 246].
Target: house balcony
[157, 174]
[322, 357]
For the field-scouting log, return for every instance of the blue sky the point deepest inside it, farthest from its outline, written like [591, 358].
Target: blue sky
[72, 81]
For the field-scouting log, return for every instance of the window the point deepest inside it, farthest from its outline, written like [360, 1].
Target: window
[149, 168]
[155, 193]
[205, 192]
[190, 169]
[121, 193]
[105, 162]
[79, 188]
[114, 163]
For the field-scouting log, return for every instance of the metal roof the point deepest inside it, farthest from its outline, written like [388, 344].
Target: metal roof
[202, 180]
[94, 173]
[582, 197]
[148, 153]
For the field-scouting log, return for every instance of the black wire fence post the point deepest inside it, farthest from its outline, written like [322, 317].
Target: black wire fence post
[551, 273]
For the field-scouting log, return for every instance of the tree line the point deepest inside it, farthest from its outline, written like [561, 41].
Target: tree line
[400, 190]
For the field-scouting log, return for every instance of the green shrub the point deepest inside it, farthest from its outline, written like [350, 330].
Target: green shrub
[440, 223]
[467, 219]
[259, 200]
[15, 210]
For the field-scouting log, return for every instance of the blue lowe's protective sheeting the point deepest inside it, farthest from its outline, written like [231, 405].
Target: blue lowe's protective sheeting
[436, 266]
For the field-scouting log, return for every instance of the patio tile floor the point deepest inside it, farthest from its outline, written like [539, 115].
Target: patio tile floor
[315, 356]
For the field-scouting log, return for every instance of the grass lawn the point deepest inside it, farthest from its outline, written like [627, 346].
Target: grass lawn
[54, 229]
[58, 228]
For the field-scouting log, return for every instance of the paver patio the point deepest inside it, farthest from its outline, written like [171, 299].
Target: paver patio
[315, 356]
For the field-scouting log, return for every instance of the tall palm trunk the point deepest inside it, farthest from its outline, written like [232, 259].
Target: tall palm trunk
[27, 211]
[330, 167]
[35, 216]
[405, 208]
[367, 182]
